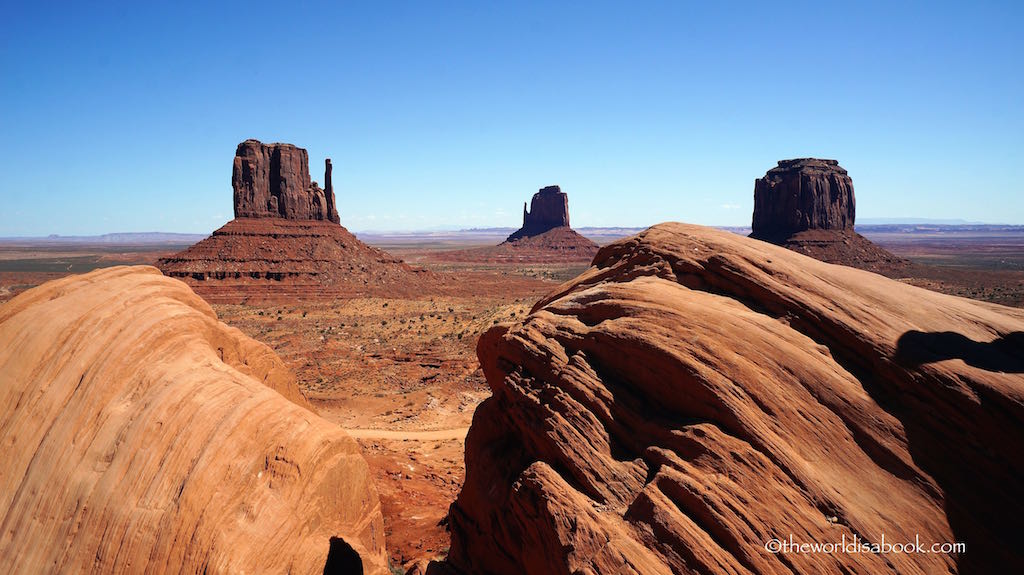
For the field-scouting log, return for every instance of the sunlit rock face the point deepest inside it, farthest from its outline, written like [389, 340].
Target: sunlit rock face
[696, 394]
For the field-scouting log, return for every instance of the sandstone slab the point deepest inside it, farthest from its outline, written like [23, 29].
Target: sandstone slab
[140, 434]
[697, 394]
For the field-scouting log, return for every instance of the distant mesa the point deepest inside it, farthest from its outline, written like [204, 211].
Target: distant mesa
[549, 209]
[272, 181]
[808, 206]
[803, 194]
[286, 239]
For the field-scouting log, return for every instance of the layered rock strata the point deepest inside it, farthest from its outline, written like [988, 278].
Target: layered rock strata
[803, 194]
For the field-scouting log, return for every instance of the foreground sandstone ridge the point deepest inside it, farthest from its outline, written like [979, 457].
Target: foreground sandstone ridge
[696, 394]
[140, 434]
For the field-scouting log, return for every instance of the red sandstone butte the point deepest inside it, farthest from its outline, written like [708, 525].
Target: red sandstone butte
[807, 205]
[272, 181]
[286, 240]
[549, 209]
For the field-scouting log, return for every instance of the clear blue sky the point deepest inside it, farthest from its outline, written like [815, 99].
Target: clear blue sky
[125, 118]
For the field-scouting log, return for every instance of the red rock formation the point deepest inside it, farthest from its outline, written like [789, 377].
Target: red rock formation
[808, 206]
[332, 208]
[545, 235]
[141, 435]
[696, 394]
[286, 230]
[558, 245]
[803, 194]
[848, 248]
[292, 259]
[272, 181]
[549, 209]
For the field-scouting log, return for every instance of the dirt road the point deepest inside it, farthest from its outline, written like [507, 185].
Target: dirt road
[430, 435]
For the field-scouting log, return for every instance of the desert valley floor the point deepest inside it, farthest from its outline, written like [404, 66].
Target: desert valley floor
[401, 373]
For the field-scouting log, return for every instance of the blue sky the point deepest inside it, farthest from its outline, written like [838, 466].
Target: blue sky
[125, 117]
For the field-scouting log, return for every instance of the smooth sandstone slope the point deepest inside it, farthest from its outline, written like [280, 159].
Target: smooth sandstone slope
[695, 394]
[140, 434]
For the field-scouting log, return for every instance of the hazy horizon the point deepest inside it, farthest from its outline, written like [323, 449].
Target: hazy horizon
[124, 119]
[868, 223]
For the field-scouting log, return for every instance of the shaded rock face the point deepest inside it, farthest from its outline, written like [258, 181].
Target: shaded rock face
[803, 194]
[142, 435]
[549, 209]
[696, 394]
[272, 181]
[807, 205]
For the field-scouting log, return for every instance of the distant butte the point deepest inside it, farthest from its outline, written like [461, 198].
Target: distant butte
[286, 239]
[546, 227]
[549, 209]
[803, 194]
[544, 238]
[808, 205]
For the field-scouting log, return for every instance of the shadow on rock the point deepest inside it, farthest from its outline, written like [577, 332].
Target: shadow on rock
[1004, 354]
[342, 559]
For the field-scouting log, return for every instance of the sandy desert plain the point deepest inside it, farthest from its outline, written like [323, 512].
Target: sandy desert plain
[401, 374]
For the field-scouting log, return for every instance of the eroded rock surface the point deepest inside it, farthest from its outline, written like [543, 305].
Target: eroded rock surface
[696, 394]
[141, 435]
[293, 258]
